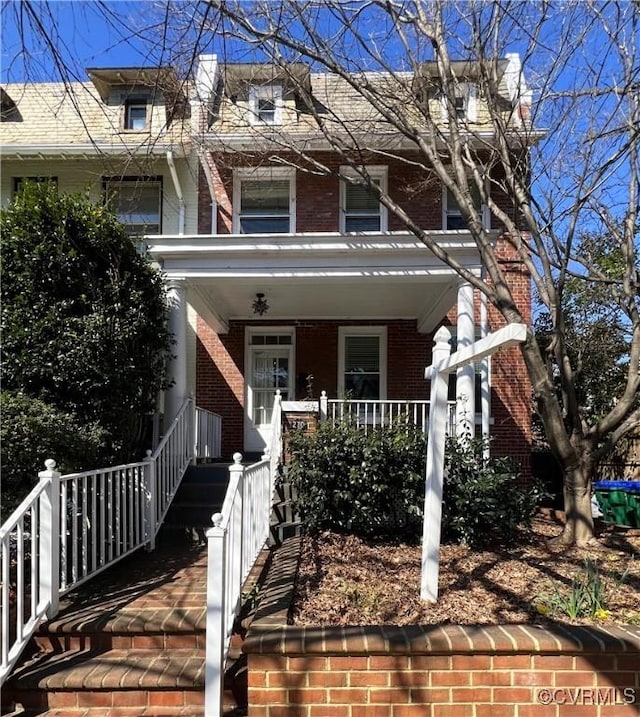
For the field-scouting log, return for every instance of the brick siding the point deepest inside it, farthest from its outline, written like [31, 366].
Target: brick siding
[433, 671]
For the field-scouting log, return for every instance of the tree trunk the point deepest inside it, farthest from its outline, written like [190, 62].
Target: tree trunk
[578, 527]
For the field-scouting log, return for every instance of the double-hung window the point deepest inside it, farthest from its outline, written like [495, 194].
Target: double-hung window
[265, 104]
[453, 219]
[135, 115]
[361, 211]
[464, 102]
[362, 362]
[264, 201]
[137, 202]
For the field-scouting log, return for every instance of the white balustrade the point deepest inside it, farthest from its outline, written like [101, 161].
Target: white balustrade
[71, 527]
[239, 533]
[208, 434]
[367, 414]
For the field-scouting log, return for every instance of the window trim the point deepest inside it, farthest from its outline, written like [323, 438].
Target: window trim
[262, 92]
[484, 213]
[264, 174]
[375, 171]
[467, 91]
[39, 179]
[381, 333]
[116, 180]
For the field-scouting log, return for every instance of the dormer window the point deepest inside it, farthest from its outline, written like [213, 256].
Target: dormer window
[464, 102]
[135, 115]
[265, 104]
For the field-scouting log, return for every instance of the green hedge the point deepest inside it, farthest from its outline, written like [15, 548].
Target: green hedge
[372, 485]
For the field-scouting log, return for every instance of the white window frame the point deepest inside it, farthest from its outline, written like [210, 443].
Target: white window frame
[484, 212]
[468, 92]
[381, 333]
[155, 181]
[378, 172]
[265, 92]
[264, 174]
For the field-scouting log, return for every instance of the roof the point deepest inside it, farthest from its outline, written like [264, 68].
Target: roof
[53, 117]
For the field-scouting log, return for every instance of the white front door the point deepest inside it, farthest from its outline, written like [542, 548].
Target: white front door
[270, 367]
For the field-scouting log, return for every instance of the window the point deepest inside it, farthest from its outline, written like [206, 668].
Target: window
[360, 209]
[135, 115]
[362, 362]
[265, 104]
[264, 201]
[453, 216]
[19, 181]
[136, 202]
[464, 102]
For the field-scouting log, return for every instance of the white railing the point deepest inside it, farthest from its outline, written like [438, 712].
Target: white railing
[367, 414]
[208, 434]
[70, 528]
[239, 533]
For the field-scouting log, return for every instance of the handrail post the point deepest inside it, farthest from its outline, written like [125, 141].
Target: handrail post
[216, 611]
[150, 502]
[194, 432]
[236, 522]
[323, 406]
[50, 539]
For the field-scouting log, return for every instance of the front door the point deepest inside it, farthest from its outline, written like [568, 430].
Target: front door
[270, 367]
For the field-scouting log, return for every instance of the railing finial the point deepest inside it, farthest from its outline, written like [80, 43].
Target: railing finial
[49, 464]
[237, 458]
[216, 519]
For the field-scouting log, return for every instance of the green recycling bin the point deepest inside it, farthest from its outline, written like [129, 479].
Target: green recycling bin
[619, 501]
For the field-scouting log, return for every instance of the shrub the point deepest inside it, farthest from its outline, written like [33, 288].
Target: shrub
[370, 484]
[84, 316]
[373, 485]
[33, 431]
[484, 501]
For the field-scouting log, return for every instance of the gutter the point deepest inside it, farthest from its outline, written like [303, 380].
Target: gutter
[178, 188]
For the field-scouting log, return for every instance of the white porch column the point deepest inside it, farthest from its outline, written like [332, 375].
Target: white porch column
[177, 364]
[465, 397]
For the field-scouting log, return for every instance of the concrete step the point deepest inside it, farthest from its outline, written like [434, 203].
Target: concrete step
[207, 473]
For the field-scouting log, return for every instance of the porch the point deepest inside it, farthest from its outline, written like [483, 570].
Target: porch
[352, 315]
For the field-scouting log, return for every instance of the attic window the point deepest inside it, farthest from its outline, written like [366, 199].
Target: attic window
[135, 115]
[265, 104]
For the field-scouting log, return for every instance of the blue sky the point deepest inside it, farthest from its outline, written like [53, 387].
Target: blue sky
[89, 34]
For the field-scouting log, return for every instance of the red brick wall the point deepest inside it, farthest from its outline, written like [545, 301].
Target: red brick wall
[559, 670]
[220, 371]
[318, 197]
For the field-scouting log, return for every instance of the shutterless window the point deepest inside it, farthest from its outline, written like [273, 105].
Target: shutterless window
[137, 204]
[265, 206]
[454, 218]
[362, 367]
[18, 182]
[361, 208]
[135, 115]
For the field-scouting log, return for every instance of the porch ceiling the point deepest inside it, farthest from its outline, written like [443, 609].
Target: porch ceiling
[328, 276]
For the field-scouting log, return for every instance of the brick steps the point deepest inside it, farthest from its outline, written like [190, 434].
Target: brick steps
[131, 641]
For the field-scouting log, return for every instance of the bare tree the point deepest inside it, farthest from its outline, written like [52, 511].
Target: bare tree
[568, 162]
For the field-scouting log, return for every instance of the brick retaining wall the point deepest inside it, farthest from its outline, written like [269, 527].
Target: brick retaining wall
[433, 671]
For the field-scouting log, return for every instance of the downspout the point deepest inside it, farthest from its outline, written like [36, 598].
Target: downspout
[178, 188]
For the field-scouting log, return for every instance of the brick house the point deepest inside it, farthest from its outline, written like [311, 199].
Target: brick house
[352, 299]
[281, 276]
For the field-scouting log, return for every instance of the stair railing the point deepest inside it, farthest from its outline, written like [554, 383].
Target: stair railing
[72, 527]
[239, 533]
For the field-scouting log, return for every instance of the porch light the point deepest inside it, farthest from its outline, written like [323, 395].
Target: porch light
[260, 305]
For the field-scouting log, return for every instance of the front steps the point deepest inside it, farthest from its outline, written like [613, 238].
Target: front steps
[131, 641]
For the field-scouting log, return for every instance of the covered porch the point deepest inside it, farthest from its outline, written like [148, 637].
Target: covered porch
[352, 316]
